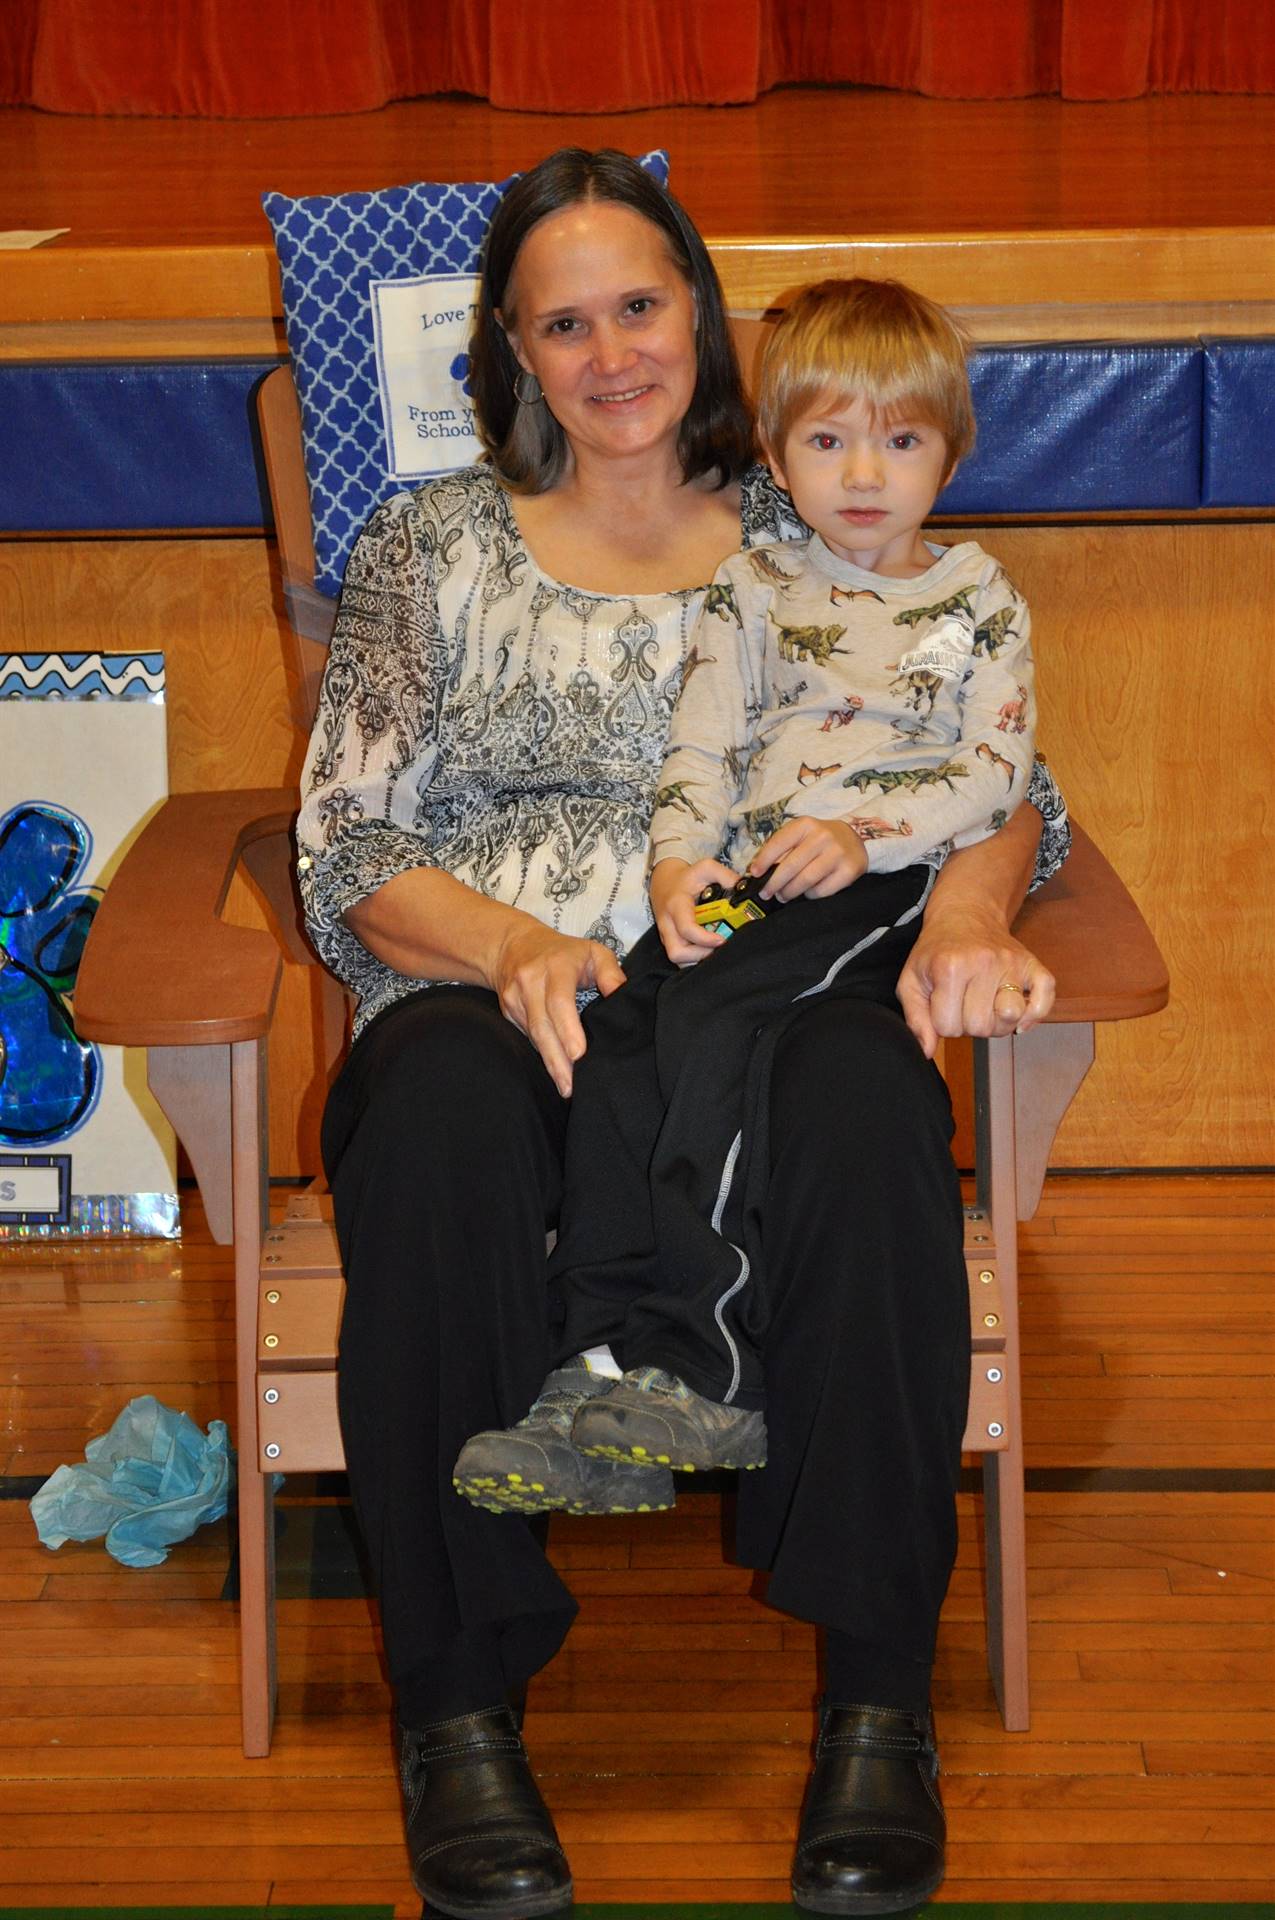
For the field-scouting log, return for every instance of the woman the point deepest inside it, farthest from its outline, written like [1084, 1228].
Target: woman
[479, 783]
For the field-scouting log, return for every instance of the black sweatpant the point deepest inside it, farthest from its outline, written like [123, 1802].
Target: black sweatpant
[661, 1250]
[443, 1140]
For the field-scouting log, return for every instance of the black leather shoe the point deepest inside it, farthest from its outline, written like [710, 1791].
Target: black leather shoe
[872, 1828]
[481, 1838]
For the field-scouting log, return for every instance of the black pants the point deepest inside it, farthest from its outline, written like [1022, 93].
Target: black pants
[661, 1248]
[443, 1140]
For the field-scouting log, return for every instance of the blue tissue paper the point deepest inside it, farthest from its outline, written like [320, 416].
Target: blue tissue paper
[146, 1484]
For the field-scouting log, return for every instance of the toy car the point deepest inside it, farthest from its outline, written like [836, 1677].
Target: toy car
[724, 912]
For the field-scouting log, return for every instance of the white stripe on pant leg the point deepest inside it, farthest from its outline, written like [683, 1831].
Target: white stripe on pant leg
[728, 1170]
[868, 940]
[723, 1191]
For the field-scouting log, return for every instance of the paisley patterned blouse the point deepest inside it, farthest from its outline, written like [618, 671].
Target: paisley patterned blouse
[479, 717]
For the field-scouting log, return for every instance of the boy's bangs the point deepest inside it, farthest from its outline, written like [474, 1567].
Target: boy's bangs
[890, 403]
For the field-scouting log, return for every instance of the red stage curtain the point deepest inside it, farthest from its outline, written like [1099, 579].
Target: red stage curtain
[263, 58]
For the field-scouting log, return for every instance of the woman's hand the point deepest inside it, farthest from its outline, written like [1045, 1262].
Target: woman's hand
[675, 887]
[960, 975]
[535, 975]
[814, 857]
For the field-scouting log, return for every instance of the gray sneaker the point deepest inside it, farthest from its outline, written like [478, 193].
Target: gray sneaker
[534, 1467]
[656, 1420]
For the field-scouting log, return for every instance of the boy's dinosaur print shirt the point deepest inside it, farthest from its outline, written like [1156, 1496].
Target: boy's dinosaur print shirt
[814, 687]
[479, 717]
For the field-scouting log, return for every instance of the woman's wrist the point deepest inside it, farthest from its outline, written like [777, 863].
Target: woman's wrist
[986, 884]
[429, 926]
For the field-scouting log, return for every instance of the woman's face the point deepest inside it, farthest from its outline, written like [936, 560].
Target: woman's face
[600, 314]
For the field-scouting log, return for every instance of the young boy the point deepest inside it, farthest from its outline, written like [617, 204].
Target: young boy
[854, 705]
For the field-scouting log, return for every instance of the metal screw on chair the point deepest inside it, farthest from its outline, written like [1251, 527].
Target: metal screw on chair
[272, 1260]
[980, 1237]
[270, 1395]
[995, 1430]
[986, 1276]
[271, 1340]
[274, 1239]
[991, 1319]
[273, 1450]
[273, 1296]
[993, 1373]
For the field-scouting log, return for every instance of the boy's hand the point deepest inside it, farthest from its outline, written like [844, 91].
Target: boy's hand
[675, 886]
[808, 856]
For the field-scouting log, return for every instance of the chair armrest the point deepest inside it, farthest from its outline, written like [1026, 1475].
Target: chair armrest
[161, 968]
[1086, 928]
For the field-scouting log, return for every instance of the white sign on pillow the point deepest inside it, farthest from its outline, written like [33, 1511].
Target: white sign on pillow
[422, 328]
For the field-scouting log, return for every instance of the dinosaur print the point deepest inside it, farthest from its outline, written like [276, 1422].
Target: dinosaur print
[789, 696]
[940, 609]
[763, 821]
[769, 570]
[807, 776]
[844, 715]
[1014, 714]
[870, 826]
[991, 634]
[994, 759]
[809, 643]
[909, 779]
[918, 691]
[720, 599]
[694, 658]
[840, 595]
[675, 795]
[735, 761]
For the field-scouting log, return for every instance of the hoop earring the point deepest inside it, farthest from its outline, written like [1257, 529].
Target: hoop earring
[527, 399]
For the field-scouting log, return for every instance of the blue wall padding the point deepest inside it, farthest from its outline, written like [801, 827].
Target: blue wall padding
[1063, 427]
[1080, 427]
[1239, 423]
[118, 445]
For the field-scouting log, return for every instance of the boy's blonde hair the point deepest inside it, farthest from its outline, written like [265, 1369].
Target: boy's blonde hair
[871, 340]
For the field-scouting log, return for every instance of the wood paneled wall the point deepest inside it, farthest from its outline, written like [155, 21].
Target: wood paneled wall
[1158, 696]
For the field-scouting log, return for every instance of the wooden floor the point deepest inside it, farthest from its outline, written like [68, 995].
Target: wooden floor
[904, 165]
[671, 1734]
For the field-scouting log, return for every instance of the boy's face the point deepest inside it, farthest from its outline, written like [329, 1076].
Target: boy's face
[864, 484]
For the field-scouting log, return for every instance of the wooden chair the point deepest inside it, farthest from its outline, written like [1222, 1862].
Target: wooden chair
[163, 970]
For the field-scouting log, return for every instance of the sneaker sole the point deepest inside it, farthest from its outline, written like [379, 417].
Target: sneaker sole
[518, 1495]
[632, 1456]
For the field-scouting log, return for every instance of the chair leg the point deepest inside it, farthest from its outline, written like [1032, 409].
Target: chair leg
[1004, 1519]
[1005, 1543]
[256, 1503]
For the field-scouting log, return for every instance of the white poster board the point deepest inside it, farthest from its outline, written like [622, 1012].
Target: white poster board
[422, 327]
[84, 1149]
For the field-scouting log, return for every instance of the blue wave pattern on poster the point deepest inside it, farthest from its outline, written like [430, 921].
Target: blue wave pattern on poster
[82, 676]
[50, 1080]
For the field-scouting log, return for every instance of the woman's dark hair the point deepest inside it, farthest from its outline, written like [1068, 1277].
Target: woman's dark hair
[525, 444]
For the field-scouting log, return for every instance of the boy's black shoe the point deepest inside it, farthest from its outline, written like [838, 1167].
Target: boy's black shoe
[872, 1829]
[481, 1839]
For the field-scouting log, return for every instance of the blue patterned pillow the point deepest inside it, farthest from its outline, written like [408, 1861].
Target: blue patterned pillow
[366, 275]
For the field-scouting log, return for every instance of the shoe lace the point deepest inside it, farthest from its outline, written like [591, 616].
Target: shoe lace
[563, 1393]
[656, 1380]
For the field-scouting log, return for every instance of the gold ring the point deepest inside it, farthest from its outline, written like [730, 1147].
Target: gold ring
[1011, 986]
